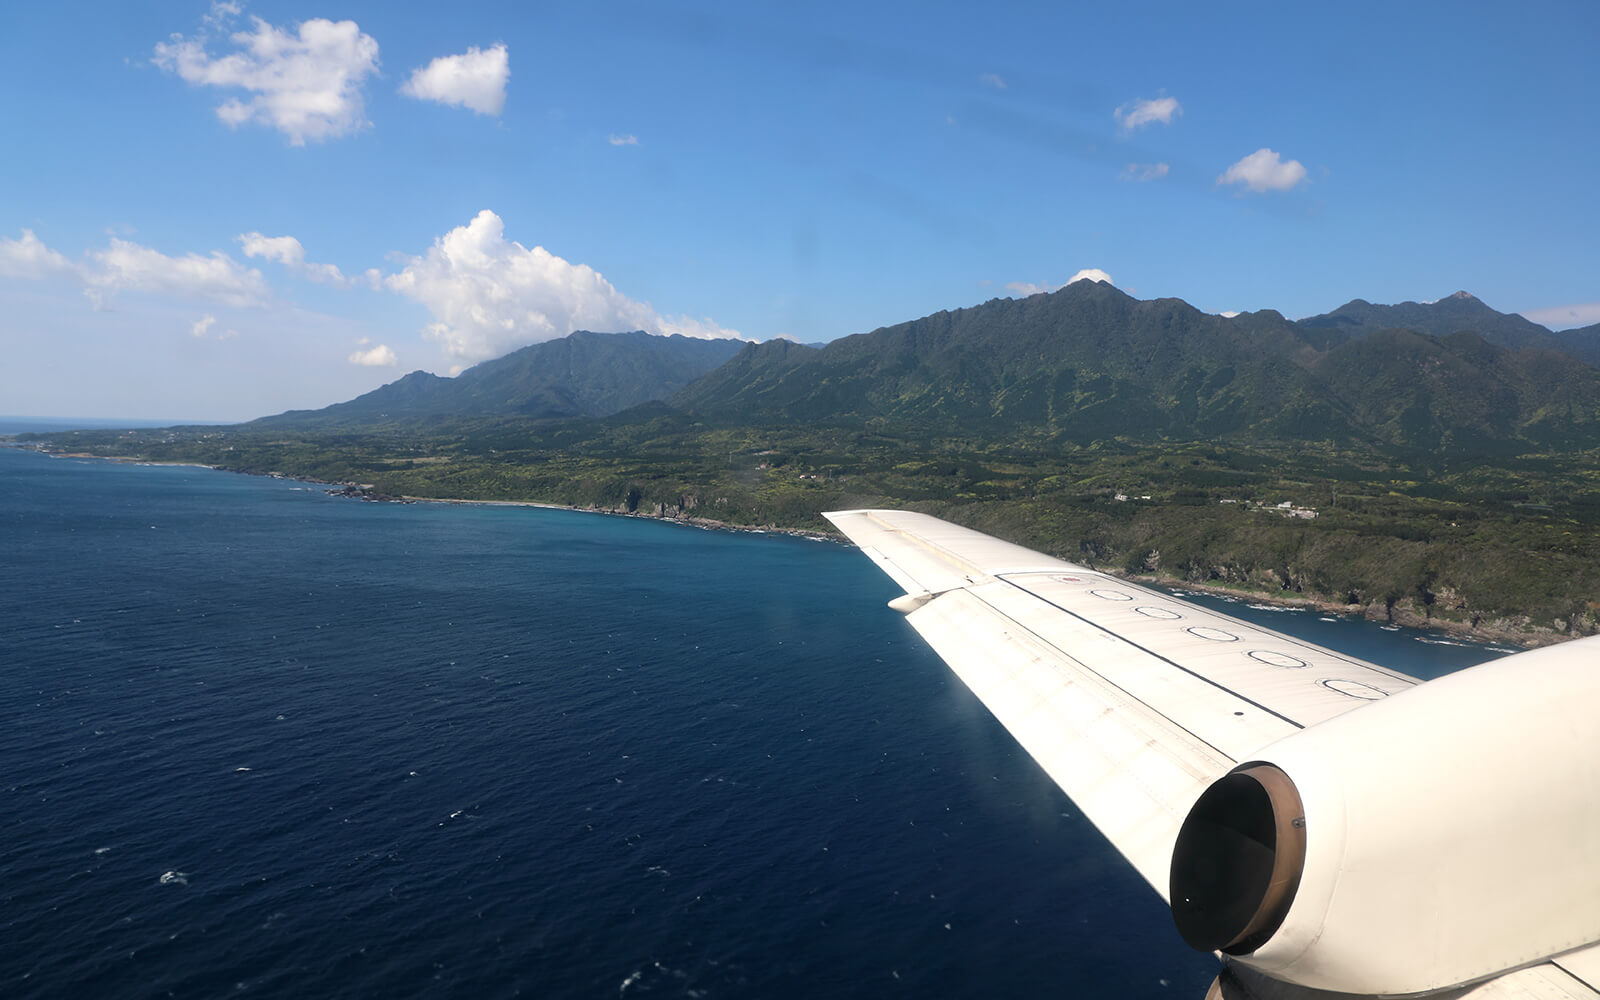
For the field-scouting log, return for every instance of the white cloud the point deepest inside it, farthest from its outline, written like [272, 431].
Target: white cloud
[129, 266]
[474, 79]
[1228, 313]
[489, 295]
[1087, 274]
[992, 80]
[1264, 170]
[1145, 171]
[1139, 113]
[378, 356]
[305, 83]
[201, 329]
[1565, 317]
[222, 12]
[623, 140]
[1092, 274]
[30, 258]
[287, 251]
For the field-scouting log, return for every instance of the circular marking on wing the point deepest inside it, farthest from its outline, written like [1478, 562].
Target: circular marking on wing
[1214, 634]
[1161, 613]
[1276, 659]
[1354, 689]
[1111, 595]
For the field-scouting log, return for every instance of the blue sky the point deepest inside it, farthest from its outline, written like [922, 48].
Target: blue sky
[219, 211]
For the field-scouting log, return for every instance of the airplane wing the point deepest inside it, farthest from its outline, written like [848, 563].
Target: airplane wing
[1133, 701]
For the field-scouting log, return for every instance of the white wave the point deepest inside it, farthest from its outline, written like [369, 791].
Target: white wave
[175, 878]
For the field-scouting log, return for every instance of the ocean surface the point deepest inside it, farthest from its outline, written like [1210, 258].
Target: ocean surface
[260, 741]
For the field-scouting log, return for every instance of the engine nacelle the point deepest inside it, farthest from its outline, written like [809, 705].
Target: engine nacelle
[1434, 838]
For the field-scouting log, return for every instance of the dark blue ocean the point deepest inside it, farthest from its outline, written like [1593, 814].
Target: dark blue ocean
[257, 740]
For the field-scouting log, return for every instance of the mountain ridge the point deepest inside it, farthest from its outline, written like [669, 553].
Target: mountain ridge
[1083, 363]
[583, 374]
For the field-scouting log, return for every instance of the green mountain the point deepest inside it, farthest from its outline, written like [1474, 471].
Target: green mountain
[584, 374]
[1582, 343]
[1451, 314]
[1082, 364]
[1461, 394]
[1089, 362]
[1085, 362]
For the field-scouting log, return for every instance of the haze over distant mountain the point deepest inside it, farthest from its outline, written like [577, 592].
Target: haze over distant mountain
[584, 374]
[1582, 343]
[1451, 314]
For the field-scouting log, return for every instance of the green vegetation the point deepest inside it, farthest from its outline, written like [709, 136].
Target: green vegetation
[1508, 547]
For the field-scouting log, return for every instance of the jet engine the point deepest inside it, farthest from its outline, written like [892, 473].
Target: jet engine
[1429, 839]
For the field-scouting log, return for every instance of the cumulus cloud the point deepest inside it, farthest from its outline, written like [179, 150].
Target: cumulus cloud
[305, 82]
[1228, 313]
[1145, 171]
[489, 295]
[624, 140]
[1564, 317]
[287, 251]
[474, 79]
[377, 356]
[992, 80]
[1087, 274]
[1137, 114]
[1264, 170]
[131, 267]
[28, 257]
[127, 266]
[1091, 274]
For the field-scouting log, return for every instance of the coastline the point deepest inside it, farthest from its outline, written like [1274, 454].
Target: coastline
[706, 523]
[1524, 637]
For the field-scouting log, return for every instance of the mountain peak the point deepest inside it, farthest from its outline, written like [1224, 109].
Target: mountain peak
[1468, 296]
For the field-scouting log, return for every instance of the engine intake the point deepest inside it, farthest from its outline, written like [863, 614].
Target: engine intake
[1238, 859]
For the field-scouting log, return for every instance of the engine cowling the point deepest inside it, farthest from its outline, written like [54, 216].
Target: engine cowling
[1434, 838]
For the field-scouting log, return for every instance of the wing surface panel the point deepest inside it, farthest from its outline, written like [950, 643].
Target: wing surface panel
[1278, 673]
[1584, 964]
[1207, 711]
[1539, 982]
[936, 556]
[1131, 770]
